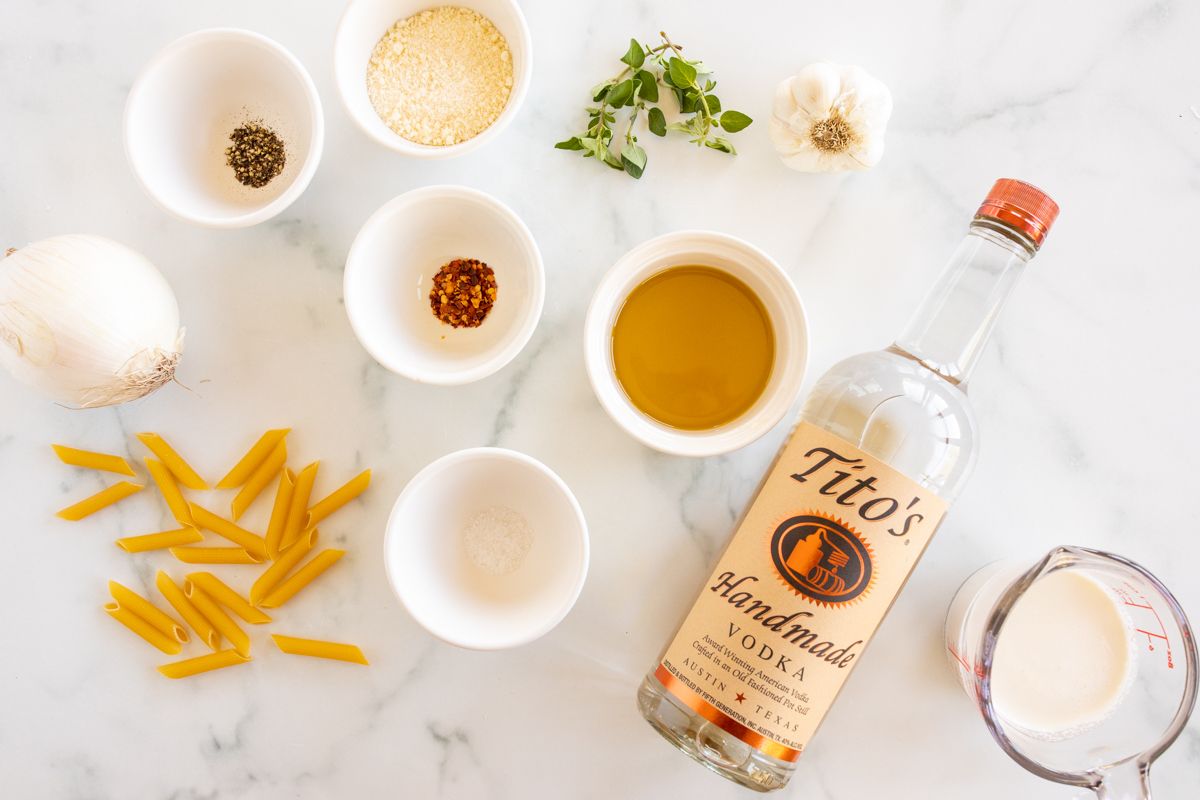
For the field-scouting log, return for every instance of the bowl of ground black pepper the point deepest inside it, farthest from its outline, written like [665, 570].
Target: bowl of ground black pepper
[444, 285]
[432, 81]
[224, 128]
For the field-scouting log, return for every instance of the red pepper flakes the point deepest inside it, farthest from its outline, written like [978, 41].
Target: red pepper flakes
[463, 293]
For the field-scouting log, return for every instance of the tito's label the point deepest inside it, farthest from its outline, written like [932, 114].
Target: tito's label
[812, 570]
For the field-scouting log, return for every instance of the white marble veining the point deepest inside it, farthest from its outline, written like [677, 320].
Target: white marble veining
[1083, 400]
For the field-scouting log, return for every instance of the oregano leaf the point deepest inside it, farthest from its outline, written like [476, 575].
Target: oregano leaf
[633, 159]
[649, 88]
[620, 94]
[724, 145]
[682, 73]
[634, 56]
[657, 122]
[734, 121]
[569, 144]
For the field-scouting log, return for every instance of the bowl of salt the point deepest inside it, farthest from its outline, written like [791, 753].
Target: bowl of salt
[487, 548]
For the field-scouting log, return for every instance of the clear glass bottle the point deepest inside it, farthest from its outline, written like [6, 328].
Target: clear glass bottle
[905, 406]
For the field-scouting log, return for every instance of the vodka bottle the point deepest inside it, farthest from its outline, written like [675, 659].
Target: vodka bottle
[884, 443]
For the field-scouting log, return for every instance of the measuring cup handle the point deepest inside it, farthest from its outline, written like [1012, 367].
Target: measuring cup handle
[1129, 780]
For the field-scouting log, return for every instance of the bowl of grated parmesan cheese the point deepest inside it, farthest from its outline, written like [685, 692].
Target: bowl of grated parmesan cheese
[432, 82]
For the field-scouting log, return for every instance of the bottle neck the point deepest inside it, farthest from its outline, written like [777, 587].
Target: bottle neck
[952, 326]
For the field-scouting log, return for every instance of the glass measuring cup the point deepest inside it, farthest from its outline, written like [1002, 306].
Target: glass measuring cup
[1113, 755]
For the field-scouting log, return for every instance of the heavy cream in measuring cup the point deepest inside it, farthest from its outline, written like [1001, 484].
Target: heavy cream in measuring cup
[1064, 656]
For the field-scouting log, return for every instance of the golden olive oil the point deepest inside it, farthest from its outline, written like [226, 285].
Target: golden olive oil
[693, 347]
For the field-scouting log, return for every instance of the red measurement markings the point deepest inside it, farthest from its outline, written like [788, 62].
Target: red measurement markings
[1127, 596]
[962, 662]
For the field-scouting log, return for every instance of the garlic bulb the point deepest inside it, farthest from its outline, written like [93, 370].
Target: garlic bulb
[87, 321]
[828, 118]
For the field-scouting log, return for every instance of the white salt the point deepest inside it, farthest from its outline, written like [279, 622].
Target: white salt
[497, 540]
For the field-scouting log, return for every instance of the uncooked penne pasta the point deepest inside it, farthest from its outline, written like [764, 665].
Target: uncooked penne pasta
[298, 510]
[92, 460]
[102, 499]
[279, 512]
[224, 594]
[170, 491]
[252, 543]
[219, 619]
[317, 648]
[155, 617]
[151, 634]
[242, 471]
[205, 663]
[191, 615]
[339, 497]
[159, 541]
[302, 577]
[262, 476]
[287, 560]
[214, 555]
[174, 462]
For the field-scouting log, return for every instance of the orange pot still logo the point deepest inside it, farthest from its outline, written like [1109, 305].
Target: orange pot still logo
[823, 559]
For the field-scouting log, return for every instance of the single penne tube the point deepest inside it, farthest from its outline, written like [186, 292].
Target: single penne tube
[338, 498]
[174, 595]
[252, 543]
[287, 560]
[188, 667]
[317, 648]
[159, 541]
[170, 491]
[155, 617]
[301, 578]
[298, 509]
[214, 555]
[219, 619]
[101, 499]
[279, 512]
[224, 594]
[262, 476]
[92, 460]
[242, 471]
[174, 462]
[151, 634]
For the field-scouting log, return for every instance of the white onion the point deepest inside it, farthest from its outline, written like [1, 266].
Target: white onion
[87, 321]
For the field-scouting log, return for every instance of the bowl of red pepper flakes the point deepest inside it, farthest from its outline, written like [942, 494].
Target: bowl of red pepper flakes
[444, 285]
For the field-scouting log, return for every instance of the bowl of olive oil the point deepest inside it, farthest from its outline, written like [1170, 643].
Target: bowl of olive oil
[696, 343]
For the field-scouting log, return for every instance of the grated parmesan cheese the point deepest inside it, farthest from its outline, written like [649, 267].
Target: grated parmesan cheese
[440, 77]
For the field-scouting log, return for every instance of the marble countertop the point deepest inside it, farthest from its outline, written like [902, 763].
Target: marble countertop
[1082, 399]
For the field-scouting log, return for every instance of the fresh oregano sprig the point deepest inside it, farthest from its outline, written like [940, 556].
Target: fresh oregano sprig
[636, 87]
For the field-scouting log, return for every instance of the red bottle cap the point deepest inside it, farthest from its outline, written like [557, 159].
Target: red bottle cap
[1020, 206]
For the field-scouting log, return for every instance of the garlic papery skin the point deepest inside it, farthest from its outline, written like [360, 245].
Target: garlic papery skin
[828, 118]
[87, 321]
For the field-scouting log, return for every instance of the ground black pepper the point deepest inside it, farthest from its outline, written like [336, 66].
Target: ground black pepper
[463, 293]
[257, 154]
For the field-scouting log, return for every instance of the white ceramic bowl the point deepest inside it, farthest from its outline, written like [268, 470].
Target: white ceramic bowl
[740, 259]
[188, 99]
[447, 594]
[390, 270]
[366, 21]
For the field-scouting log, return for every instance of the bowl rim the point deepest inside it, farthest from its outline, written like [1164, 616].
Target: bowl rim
[699, 444]
[533, 303]
[438, 466]
[399, 144]
[316, 120]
